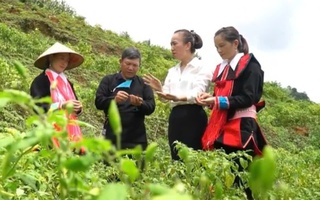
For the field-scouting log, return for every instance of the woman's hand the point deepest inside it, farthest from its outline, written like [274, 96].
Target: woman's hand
[169, 97]
[154, 83]
[205, 99]
[77, 105]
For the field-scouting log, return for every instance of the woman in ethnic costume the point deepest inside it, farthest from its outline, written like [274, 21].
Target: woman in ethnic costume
[236, 99]
[54, 61]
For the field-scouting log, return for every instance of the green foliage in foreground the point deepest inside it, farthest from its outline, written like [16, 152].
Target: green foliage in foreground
[60, 173]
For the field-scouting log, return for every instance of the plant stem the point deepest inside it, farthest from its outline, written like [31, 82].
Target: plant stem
[6, 193]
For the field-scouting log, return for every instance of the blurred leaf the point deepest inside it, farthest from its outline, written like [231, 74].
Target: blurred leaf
[114, 118]
[150, 151]
[114, 191]
[21, 69]
[6, 141]
[15, 96]
[129, 167]
[262, 172]
[218, 190]
[173, 196]
[157, 189]
[82, 163]
[4, 101]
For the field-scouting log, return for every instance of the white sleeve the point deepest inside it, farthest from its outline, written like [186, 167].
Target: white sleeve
[166, 84]
[200, 84]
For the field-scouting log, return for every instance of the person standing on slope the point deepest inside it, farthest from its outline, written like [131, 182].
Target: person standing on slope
[238, 87]
[187, 120]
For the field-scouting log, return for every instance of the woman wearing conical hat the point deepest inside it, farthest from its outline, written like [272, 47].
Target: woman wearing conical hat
[54, 61]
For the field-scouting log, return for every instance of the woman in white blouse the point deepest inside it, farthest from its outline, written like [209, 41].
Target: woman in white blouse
[187, 120]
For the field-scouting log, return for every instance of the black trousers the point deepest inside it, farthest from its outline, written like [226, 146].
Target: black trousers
[187, 124]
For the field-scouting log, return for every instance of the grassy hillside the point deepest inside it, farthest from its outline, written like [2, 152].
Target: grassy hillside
[27, 27]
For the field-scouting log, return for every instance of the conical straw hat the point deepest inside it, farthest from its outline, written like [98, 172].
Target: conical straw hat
[75, 58]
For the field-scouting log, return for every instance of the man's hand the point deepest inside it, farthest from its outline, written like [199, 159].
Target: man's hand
[135, 100]
[121, 96]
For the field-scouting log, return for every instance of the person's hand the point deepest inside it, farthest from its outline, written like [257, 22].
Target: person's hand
[200, 102]
[161, 95]
[167, 96]
[77, 105]
[203, 95]
[135, 100]
[154, 83]
[65, 103]
[121, 96]
[205, 99]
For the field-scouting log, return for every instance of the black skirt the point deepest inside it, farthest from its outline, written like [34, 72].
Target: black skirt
[187, 124]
